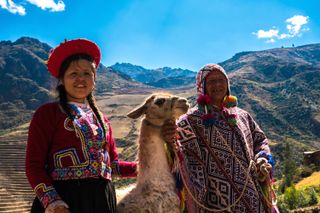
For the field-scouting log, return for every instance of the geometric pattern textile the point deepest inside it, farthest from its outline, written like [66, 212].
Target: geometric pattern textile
[205, 149]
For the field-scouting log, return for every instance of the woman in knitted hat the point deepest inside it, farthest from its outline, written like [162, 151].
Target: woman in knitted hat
[223, 159]
[71, 153]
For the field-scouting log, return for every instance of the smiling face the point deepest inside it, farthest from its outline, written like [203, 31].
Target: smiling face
[216, 87]
[79, 80]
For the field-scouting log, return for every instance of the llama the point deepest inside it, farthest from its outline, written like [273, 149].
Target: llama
[155, 187]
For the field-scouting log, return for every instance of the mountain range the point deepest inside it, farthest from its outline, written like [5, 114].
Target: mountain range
[165, 77]
[279, 87]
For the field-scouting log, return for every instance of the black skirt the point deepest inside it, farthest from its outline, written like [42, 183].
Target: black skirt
[84, 196]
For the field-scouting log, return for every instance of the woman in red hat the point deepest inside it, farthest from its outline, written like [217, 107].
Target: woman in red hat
[71, 153]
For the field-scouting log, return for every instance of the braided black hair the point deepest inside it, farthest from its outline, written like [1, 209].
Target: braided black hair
[93, 104]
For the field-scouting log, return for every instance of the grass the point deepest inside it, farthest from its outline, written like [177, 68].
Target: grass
[120, 127]
[313, 180]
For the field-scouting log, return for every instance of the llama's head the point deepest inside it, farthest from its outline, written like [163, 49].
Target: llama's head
[159, 107]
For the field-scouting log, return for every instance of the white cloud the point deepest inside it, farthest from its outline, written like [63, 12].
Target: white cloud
[284, 36]
[295, 24]
[295, 28]
[267, 34]
[48, 4]
[43, 4]
[271, 40]
[12, 7]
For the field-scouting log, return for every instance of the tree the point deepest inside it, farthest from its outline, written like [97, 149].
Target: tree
[289, 167]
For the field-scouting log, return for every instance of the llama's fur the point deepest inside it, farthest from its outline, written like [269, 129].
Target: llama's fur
[155, 187]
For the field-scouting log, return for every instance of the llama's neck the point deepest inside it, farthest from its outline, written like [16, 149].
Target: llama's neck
[153, 163]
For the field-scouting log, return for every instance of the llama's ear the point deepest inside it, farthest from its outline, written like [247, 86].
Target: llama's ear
[137, 112]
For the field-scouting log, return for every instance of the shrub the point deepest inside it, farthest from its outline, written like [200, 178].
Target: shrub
[313, 196]
[294, 198]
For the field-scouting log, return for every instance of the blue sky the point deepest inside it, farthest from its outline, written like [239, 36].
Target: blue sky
[157, 33]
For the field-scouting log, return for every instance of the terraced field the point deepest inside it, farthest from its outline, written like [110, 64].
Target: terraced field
[15, 193]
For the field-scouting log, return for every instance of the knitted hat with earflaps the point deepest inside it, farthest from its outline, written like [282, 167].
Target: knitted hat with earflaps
[204, 100]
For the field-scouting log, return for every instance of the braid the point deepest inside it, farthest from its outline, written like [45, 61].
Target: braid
[63, 100]
[92, 102]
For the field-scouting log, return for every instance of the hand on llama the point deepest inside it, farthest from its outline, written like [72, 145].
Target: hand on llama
[169, 131]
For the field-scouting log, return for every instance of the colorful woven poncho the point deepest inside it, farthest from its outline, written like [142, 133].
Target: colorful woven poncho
[216, 150]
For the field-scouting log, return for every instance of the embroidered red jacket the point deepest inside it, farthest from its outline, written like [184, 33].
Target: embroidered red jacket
[55, 151]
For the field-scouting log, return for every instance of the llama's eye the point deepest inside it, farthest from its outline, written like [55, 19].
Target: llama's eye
[159, 101]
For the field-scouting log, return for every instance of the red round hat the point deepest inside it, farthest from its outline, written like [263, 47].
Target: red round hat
[69, 48]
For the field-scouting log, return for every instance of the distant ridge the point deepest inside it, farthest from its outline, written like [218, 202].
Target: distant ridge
[165, 77]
